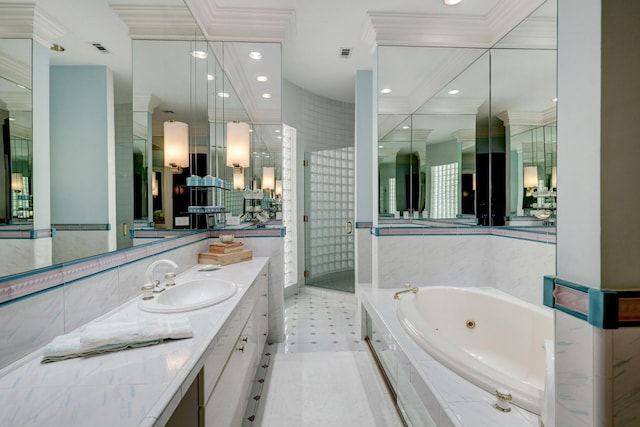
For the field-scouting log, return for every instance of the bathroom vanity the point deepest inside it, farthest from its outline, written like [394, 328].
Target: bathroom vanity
[204, 380]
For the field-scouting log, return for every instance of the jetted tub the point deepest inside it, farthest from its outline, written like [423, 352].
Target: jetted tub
[492, 339]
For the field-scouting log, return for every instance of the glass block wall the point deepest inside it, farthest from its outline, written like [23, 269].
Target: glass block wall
[289, 206]
[445, 184]
[331, 205]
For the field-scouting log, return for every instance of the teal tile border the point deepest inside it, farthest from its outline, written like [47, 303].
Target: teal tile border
[604, 309]
[82, 227]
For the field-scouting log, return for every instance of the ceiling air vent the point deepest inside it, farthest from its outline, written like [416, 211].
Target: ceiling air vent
[345, 52]
[100, 47]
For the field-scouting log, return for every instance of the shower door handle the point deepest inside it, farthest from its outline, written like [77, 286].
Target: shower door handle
[349, 227]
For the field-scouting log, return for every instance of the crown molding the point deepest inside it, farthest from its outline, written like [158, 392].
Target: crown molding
[158, 22]
[528, 118]
[403, 29]
[15, 71]
[28, 21]
[146, 103]
[17, 101]
[246, 24]
[534, 33]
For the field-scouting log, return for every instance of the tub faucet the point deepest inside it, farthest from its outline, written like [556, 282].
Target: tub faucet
[149, 273]
[406, 289]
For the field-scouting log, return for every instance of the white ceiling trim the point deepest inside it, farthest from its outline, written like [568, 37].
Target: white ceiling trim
[15, 71]
[17, 101]
[247, 24]
[158, 22]
[535, 32]
[402, 29]
[528, 118]
[29, 21]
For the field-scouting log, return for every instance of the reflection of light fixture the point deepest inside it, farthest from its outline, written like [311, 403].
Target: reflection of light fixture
[238, 181]
[268, 178]
[223, 94]
[211, 77]
[386, 90]
[238, 155]
[255, 55]
[262, 79]
[454, 91]
[176, 144]
[16, 182]
[154, 185]
[452, 2]
[554, 177]
[279, 187]
[530, 178]
[266, 95]
[473, 181]
[199, 54]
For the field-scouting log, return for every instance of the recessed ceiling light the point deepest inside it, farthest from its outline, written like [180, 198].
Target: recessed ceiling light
[380, 146]
[554, 99]
[211, 77]
[279, 137]
[405, 127]
[386, 90]
[199, 54]
[277, 130]
[454, 91]
[452, 2]
[223, 94]
[262, 79]
[255, 55]
[266, 95]
[11, 119]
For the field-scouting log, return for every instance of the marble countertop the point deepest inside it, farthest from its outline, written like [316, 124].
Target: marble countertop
[135, 387]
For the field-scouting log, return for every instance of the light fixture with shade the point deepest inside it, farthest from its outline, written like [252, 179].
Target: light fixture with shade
[176, 145]
[268, 178]
[154, 185]
[278, 188]
[16, 182]
[238, 153]
[530, 178]
[554, 177]
[238, 181]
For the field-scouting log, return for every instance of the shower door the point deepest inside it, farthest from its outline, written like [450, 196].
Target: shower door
[329, 212]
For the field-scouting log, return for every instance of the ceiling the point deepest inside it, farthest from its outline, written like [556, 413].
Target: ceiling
[312, 33]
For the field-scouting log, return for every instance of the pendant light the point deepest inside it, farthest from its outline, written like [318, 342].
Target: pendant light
[238, 153]
[176, 144]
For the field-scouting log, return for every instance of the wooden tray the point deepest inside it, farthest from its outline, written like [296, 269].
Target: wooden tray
[226, 248]
[225, 259]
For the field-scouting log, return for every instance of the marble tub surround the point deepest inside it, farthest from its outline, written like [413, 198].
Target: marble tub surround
[449, 399]
[134, 387]
[510, 260]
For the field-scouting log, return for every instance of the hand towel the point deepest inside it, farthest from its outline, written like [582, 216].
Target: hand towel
[115, 335]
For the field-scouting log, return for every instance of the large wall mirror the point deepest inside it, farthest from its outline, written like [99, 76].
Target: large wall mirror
[427, 129]
[471, 133]
[16, 168]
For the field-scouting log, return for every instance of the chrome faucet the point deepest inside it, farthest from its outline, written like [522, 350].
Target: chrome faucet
[149, 273]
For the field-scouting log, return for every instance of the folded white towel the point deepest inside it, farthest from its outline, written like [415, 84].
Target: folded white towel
[101, 337]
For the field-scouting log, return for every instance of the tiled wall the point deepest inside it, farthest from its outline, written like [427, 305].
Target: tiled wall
[514, 265]
[76, 293]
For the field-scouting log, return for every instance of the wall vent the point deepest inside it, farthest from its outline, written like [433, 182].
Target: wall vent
[345, 52]
[100, 47]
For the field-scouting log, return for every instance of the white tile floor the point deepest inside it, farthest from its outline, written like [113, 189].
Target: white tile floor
[322, 374]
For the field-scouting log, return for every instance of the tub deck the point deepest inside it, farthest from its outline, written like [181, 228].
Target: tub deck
[450, 399]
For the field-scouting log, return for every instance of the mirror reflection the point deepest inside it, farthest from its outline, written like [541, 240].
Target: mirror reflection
[427, 158]
[16, 169]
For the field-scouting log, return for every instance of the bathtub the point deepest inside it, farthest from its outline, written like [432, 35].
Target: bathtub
[488, 337]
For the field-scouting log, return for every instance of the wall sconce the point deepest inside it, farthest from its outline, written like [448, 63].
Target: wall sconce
[176, 145]
[530, 179]
[278, 188]
[16, 182]
[268, 178]
[238, 155]
[554, 177]
[238, 181]
[154, 185]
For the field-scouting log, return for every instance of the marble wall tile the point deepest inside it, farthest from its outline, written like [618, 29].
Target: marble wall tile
[625, 368]
[519, 266]
[456, 260]
[30, 323]
[130, 280]
[574, 372]
[86, 299]
[400, 259]
[71, 245]
[18, 255]
[363, 255]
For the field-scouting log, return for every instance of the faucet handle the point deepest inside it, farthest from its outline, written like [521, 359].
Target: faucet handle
[147, 291]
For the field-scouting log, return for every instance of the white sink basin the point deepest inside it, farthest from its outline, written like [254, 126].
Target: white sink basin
[190, 295]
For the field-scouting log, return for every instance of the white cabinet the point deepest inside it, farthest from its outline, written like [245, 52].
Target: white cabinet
[231, 365]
